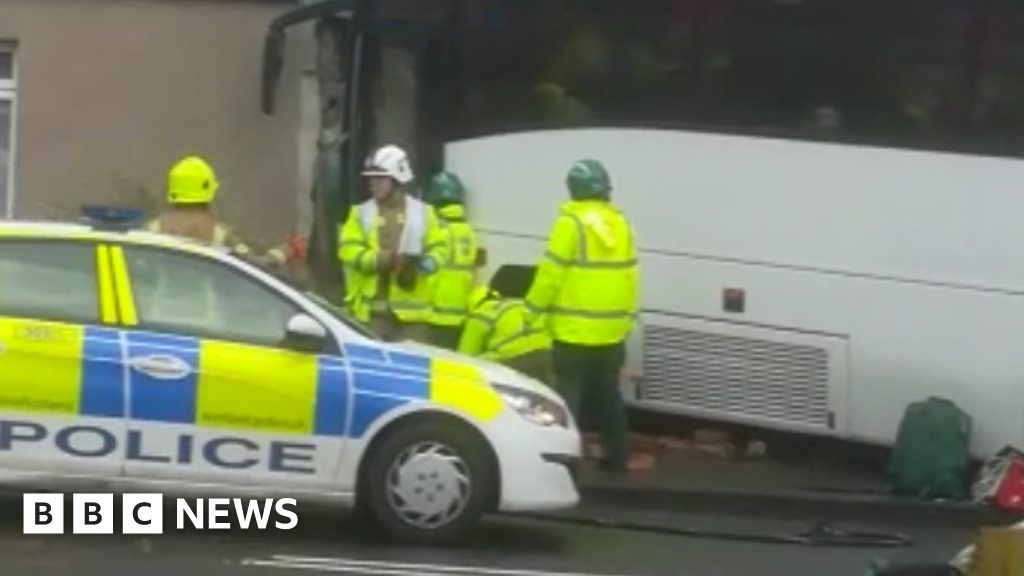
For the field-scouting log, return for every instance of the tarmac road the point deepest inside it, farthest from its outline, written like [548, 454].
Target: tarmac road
[330, 541]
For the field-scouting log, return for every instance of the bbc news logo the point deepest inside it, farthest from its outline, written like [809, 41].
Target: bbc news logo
[144, 513]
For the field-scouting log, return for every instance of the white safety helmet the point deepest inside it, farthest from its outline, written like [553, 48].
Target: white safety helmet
[390, 161]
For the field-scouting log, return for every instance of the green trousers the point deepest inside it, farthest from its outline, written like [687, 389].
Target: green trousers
[587, 377]
[536, 365]
[445, 336]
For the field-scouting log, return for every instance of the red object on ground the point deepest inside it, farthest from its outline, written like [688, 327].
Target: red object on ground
[1010, 494]
[641, 462]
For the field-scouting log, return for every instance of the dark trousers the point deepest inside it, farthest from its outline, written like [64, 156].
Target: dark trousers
[445, 336]
[588, 376]
[536, 365]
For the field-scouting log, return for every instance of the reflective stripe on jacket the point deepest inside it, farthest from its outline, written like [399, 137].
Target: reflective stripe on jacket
[502, 329]
[588, 281]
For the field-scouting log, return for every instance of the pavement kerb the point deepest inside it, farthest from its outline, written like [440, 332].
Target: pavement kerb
[788, 503]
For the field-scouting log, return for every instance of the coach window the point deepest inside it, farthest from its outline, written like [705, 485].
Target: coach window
[190, 295]
[941, 74]
[48, 281]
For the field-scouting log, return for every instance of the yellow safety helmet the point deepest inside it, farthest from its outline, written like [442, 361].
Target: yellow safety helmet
[480, 294]
[191, 181]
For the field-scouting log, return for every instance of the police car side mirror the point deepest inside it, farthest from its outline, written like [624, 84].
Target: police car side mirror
[304, 334]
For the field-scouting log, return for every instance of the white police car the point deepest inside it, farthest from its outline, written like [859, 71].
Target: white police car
[154, 364]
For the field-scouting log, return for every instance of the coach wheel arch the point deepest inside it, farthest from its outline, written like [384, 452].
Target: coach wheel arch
[445, 419]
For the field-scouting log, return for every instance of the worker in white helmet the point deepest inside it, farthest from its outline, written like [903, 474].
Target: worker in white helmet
[389, 246]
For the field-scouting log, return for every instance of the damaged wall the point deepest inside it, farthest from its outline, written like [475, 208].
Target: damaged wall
[112, 92]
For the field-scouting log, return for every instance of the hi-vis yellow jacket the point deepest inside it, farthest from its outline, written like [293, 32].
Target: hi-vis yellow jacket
[359, 246]
[453, 283]
[588, 281]
[501, 329]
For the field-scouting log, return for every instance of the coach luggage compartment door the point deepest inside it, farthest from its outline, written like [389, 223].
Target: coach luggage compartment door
[763, 376]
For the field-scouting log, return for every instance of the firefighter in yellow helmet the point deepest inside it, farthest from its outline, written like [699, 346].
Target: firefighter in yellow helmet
[389, 246]
[191, 189]
[452, 284]
[587, 285]
[504, 330]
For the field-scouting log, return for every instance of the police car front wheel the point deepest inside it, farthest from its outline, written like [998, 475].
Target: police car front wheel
[428, 482]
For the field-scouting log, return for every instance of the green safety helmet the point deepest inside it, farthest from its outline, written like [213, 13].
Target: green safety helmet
[446, 188]
[588, 179]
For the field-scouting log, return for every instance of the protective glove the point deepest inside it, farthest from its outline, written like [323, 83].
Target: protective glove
[427, 265]
[387, 260]
[408, 270]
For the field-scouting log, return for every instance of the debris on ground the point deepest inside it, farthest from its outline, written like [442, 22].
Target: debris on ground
[645, 449]
[714, 443]
[640, 462]
[757, 449]
[644, 443]
[1000, 482]
[674, 443]
[642, 450]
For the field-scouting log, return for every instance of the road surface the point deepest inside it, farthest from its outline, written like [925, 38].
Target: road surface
[329, 541]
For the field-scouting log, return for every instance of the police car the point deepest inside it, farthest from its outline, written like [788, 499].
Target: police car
[150, 363]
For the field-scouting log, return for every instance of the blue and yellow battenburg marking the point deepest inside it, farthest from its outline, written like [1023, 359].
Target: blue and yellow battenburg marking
[66, 369]
[388, 380]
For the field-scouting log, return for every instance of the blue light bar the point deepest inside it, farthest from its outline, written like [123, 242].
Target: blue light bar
[111, 218]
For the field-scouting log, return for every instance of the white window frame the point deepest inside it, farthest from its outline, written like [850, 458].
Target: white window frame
[9, 93]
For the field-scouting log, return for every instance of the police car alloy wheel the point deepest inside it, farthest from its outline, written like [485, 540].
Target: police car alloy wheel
[428, 482]
[429, 485]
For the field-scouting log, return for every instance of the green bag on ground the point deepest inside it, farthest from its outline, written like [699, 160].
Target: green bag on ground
[930, 459]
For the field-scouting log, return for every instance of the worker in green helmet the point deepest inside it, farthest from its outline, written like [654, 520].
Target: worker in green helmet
[451, 285]
[587, 287]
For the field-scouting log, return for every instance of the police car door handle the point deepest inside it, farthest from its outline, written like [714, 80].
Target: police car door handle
[161, 366]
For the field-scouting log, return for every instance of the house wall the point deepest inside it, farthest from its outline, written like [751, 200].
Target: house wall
[110, 93]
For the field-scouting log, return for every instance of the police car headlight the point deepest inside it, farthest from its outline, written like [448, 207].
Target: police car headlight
[534, 407]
